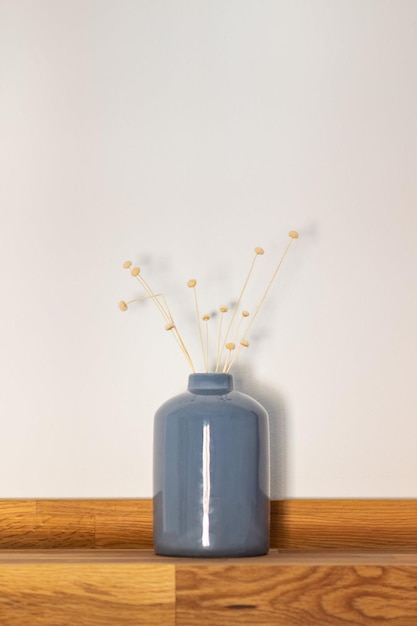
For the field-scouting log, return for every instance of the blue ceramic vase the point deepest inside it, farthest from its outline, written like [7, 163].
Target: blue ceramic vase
[211, 472]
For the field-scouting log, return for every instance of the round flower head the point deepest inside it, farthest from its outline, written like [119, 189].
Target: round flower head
[293, 234]
[206, 317]
[122, 305]
[259, 250]
[245, 313]
[244, 343]
[191, 283]
[135, 271]
[230, 346]
[127, 264]
[223, 309]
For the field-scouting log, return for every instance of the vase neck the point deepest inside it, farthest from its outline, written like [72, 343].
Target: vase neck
[210, 384]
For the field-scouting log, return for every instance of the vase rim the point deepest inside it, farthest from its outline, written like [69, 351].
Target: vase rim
[210, 383]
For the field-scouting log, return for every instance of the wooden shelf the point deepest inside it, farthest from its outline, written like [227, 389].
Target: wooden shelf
[89, 562]
[135, 587]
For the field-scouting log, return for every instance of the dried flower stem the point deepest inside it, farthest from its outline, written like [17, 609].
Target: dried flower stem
[124, 305]
[206, 358]
[223, 309]
[163, 309]
[244, 315]
[293, 235]
[192, 283]
[181, 344]
[243, 344]
[229, 346]
[258, 251]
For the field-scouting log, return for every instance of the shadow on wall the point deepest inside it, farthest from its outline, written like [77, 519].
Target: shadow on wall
[246, 382]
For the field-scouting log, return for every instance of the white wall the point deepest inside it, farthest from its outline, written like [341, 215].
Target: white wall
[181, 134]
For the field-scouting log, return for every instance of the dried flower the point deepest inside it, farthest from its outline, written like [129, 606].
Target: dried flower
[192, 284]
[162, 305]
[258, 252]
[293, 235]
[225, 340]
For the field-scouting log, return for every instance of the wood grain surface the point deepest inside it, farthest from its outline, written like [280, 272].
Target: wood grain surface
[135, 587]
[299, 595]
[295, 524]
[87, 594]
[344, 525]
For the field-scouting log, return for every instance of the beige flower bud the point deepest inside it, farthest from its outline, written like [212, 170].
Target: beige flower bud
[191, 283]
[122, 305]
[127, 264]
[293, 234]
[135, 271]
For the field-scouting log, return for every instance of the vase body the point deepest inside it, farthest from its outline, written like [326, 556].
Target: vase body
[211, 472]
